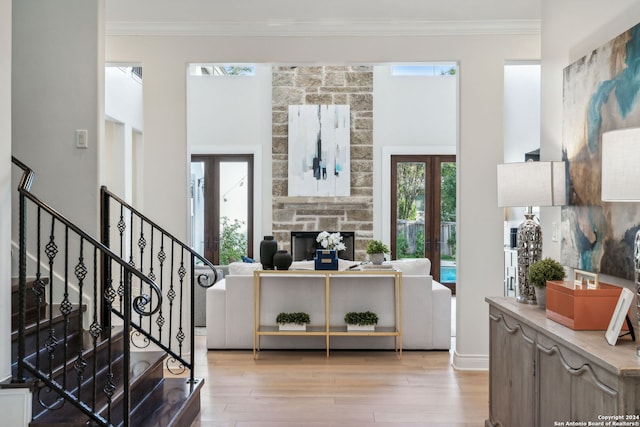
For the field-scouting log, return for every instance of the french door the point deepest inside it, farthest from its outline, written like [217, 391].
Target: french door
[423, 212]
[222, 207]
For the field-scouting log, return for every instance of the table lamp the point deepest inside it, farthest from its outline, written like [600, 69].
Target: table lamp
[528, 184]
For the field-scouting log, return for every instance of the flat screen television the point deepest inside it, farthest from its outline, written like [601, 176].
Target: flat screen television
[304, 245]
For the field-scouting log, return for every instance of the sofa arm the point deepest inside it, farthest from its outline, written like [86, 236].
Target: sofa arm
[216, 315]
[441, 316]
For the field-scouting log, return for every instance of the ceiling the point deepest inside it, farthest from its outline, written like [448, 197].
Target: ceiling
[285, 17]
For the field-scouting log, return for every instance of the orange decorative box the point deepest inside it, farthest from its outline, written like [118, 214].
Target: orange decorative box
[582, 307]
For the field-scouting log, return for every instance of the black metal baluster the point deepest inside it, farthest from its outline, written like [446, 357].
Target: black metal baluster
[181, 273]
[39, 287]
[130, 243]
[126, 404]
[151, 276]
[110, 387]
[162, 256]
[171, 295]
[65, 307]
[192, 348]
[122, 226]
[96, 329]
[80, 364]
[51, 250]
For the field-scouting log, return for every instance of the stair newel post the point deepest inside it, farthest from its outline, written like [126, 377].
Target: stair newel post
[193, 319]
[22, 283]
[126, 404]
[105, 240]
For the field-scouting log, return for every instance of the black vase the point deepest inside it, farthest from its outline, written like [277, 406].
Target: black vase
[282, 260]
[268, 248]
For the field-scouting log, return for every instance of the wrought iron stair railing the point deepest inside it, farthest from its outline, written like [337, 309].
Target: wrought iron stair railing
[76, 271]
[172, 264]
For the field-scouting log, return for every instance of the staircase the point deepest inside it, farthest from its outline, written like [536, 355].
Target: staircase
[156, 401]
[97, 340]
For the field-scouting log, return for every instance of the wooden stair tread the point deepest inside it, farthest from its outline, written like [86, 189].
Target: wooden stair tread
[145, 374]
[178, 406]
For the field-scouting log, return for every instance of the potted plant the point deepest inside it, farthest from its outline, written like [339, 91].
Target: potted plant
[539, 272]
[376, 250]
[293, 321]
[361, 321]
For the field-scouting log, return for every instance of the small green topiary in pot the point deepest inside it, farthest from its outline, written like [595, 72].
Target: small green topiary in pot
[365, 318]
[299, 318]
[545, 269]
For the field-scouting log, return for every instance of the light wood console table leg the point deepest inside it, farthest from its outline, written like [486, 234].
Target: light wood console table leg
[327, 297]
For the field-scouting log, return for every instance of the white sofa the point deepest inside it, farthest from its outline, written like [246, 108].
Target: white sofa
[426, 310]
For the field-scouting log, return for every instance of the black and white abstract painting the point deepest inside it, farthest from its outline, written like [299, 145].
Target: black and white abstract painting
[319, 154]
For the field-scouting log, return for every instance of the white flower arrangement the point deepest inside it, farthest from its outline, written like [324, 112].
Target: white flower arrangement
[331, 241]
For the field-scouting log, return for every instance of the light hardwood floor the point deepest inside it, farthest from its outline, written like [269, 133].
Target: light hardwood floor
[351, 388]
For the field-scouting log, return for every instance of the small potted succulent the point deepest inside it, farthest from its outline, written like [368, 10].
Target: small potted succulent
[539, 272]
[293, 321]
[376, 250]
[361, 321]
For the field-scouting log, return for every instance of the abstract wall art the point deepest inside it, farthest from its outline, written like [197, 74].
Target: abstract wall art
[600, 94]
[319, 154]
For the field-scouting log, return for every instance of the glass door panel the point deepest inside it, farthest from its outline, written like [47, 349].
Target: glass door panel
[222, 206]
[447, 242]
[234, 215]
[410, 210]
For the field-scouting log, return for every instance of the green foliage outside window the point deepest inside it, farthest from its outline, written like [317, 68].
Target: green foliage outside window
[233, 243]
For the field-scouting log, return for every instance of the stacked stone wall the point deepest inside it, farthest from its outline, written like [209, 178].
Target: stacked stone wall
[325, 85]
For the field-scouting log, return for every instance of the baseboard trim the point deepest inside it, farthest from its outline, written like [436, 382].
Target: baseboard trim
[470, 362]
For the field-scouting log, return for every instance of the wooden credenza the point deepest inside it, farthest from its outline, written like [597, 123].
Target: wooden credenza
[545, 374]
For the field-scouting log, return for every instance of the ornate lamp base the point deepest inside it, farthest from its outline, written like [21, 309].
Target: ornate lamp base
[529, 250]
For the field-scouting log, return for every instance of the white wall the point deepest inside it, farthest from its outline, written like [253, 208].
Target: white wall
[414, 110]
[57, 88]
[480, 147]
[570, 30]
[123, 109]
[5, 191]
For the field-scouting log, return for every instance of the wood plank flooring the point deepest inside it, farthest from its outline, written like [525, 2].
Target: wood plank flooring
[351, 388]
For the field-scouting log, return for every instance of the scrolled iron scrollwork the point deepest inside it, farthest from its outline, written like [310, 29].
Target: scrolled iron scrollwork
[139, 340]
[56, 404]
[175, 366]
[141, 302]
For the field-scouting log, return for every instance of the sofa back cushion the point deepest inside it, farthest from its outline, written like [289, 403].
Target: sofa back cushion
[243, 268]
[413, 266]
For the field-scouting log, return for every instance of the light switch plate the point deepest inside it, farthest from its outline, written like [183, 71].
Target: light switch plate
[82, 137]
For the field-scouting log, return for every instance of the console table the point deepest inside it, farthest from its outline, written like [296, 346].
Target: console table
[544, 374]
[327, 329]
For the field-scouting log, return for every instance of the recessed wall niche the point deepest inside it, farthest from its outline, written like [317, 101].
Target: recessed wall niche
[328, 85]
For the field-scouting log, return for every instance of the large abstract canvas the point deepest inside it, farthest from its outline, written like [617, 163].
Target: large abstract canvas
[319, 154]
[600, 94]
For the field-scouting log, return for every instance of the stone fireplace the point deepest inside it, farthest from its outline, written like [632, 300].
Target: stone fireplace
[340, 85]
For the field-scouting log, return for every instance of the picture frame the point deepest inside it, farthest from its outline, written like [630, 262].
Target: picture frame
[619, 316]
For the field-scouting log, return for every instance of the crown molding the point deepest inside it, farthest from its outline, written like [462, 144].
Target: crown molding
[326, 28]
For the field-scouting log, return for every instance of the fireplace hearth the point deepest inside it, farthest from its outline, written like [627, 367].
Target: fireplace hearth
[304, 245]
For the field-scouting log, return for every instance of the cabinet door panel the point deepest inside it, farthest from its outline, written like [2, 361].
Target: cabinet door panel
[570, 390]
[511, 389]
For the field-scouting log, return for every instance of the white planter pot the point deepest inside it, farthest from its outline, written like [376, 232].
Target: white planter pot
[354, 328]
[541, 296]
[376, 259]
[292, 327]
